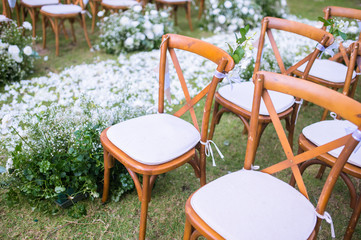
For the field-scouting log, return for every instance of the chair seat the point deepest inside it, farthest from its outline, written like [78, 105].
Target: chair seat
[325, 131]
[62, 9]
[328, 70]
[254, 205]
[121, 3]
[154, 139]
[39, 3]
[241, 94]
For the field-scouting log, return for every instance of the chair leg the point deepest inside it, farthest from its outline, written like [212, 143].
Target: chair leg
[201, 7]
[72, 29]
[44, 30]
[188, 14]
[144, 208]
[108, 164]
[94, 9]
[175, 15]
[354, 219]
[56, 30]
[33, 18]
[187, 230]
[85, 31]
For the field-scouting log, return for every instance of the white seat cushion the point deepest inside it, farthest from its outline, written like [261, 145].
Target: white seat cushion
[326, 131]
[154, 139]
[120, 3]
[254, 205]
[40, 2]
[328, 70]
[241, 94]
[62, 9]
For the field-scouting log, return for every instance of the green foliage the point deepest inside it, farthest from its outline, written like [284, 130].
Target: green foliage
[60, 153]
[241, 42]
[16, 54]
[273, 8]
[332, 27]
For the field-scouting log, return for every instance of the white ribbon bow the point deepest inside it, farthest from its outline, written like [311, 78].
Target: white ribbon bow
[233, 78]
[87, 13]
[328, 50]
[328, 219]
[209, 151]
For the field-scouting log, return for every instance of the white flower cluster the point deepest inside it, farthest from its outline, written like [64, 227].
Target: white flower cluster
[16, 53]
[132, 30]
[231, 15]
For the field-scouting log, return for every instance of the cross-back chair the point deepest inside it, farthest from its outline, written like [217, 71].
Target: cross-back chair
[237, 98]
[33, 7]
[327, 130]
[94, 6]
[187, 4]
[158, 143]
[249, 204]
[8, 8]
[57, 14]
[330, 72]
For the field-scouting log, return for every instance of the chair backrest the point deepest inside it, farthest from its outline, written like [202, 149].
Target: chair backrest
[221, 58]
[333, 11]
[268, 23]
[346, 107]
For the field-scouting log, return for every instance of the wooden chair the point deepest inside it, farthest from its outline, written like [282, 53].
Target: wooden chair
[8, 7]
[158, 143]
[330, 72]
[237, 98]
[250, 204]
[118, 5]
[175, 4]
[33, 7]
[323, 131]
[57, 14]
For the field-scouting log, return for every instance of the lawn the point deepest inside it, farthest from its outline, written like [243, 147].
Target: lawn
[120, 220]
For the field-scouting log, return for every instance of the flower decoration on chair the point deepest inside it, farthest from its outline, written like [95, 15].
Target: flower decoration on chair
[16, 54]
[134, 30]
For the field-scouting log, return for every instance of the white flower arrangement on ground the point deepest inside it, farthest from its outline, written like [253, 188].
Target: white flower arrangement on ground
[230, 15]
[134, 30]
[16, 55]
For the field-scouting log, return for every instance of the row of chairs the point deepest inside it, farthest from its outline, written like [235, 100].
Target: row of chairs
[247, 204]
[54, 13]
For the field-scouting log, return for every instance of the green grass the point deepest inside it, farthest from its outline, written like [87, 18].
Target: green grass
[312, 9]
[166, 211]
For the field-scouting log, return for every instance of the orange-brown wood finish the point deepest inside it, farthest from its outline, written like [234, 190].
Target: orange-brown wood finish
[264, 81]
[196, 156]
[349, 85]
[8, 12]
[94, 6]
[222, 105]
[326, 160]
[57, 20]
[175, 4]
[33, 11]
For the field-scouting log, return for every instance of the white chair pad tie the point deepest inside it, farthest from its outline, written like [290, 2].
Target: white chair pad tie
[254, 205]
[154, 139]
[209, 151]
[328, 219]
[241, 94]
